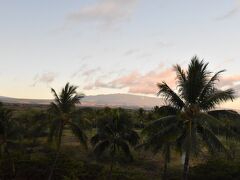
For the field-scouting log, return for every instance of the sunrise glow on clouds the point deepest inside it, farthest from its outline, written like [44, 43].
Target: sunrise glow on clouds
[113, 46]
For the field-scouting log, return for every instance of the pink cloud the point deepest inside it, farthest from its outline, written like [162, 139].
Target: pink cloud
[106, 12]
[127, 80]
[137, 82]
[229, 80]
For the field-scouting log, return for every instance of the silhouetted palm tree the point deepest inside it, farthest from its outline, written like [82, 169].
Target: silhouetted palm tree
[63, 108]
[156, 145]
[190, 122]
[114, 132]
[162, 144]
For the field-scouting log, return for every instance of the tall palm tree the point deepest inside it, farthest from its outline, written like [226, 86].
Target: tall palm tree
[114, 132]
[63, 108]
[195, 96]
[156, 143]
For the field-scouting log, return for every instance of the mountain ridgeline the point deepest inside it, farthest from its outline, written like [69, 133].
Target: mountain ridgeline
[112, 100]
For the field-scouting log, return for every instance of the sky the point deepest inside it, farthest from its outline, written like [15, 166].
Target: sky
[113, 46]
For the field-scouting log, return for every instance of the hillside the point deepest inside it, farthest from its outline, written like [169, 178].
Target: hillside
[113, 100]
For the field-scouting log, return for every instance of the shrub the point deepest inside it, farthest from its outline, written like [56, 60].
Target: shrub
[216, 170]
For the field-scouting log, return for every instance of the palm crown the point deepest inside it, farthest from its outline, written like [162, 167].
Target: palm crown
[114, 132]
[196, 88]
[66, 101]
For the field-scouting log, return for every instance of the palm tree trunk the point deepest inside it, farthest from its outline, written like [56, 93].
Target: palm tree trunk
[187, 155]
[186, 165]
[58, 151]
[164, 177]
[166, 160]
[112, 162]
[111, 168]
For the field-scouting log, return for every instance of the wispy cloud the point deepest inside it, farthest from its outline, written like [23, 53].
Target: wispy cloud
[230, 13]
[162, 44]
[144, 55]
[229, 61]
[84, 58]
[104, 12]
[46, 78]
[79, 70]
[90, 72]
[86, 72]
[130, 52]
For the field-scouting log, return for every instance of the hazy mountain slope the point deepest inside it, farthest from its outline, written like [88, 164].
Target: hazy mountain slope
[122, 100]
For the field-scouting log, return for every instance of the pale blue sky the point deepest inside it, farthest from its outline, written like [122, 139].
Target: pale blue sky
[97, 44]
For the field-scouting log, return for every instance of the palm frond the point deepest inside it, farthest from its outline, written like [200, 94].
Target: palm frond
[197, 77]
[76, 99]
[181, 79]
[100, 147]
[79, 133]
[54, 108]
[209, 121]
[170, 95]
[209, 86]
[161, 123]
[56, 98]
[211, 140]
[125, 148]
[181, 75]
[230, 123]
[217, 97]
[131, 137]
[169, 133]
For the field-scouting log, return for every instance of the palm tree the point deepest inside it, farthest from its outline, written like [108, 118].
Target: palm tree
[6, 132]
[196, 95]
[114, 132]
[156, 143]
[163, 145]
[63, 108]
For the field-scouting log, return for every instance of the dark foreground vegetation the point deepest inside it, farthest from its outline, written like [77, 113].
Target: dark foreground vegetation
[184, 139]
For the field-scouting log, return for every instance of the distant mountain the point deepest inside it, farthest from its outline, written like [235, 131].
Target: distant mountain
[115, 100]
[23, 101]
